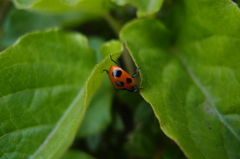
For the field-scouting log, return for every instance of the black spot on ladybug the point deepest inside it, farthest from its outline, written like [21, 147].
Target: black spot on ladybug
[117, 73]
[128, 80]
[119, 83]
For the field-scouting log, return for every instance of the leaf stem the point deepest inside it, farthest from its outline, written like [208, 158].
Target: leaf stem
[116, 26]
[3, 7]
[113, 23]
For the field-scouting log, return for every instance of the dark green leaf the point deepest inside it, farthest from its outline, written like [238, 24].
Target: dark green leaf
[172, 152]
[74, 154]
[146, 140]
[20, 22]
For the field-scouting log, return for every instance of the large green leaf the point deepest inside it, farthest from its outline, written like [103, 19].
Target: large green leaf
[61, 6]
[47, 80]
[193, 85]
[145, 8]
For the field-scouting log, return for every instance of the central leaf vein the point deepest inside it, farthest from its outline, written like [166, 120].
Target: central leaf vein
[208, 98]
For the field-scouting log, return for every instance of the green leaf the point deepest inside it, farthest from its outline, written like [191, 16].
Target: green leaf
[47, 81]
[143, 113]
[98, 115]
[95, 43]
[24, 3]
[93, 142]
[62, 6]
[193, 84]
[145, 8]
[20, 22]
[140, 144]
[113, 46]
[74, 154]
[172, 152]
[144, 140]
[147, 139]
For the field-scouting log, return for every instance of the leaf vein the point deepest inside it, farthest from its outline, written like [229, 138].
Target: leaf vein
[208, 97]
[19, 130]
[51, 134]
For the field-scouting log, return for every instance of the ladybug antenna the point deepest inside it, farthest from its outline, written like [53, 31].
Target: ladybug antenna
[114, 61]
[105, 70]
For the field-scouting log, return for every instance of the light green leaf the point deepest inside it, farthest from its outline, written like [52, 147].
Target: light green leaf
[62, 6]
[20, 22]
[145, 8]
[193, 84]
[98, 115]
[113, 46]
[47, 80]
[24, 3]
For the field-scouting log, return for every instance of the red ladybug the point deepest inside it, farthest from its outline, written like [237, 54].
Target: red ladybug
[121, 79]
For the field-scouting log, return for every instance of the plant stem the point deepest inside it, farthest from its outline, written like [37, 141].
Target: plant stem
[3, 8]
[126, 58]
[113, 23]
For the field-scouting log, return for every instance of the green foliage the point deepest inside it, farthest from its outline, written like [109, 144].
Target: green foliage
[145, 8]
[55, 102]
[63, 6]
[34, 77]
[20, 22]
[74, 154]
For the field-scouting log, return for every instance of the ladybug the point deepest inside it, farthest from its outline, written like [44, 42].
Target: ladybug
[121, 79]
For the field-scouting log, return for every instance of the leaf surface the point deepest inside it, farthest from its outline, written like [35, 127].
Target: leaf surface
[62, 6]
[193, 83]
[145, 8]
[47, 80]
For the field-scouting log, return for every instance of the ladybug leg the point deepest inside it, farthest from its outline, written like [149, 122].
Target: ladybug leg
[105, 70]
[136, 73]
[135, 88]
[138, 88]
[114, 61]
